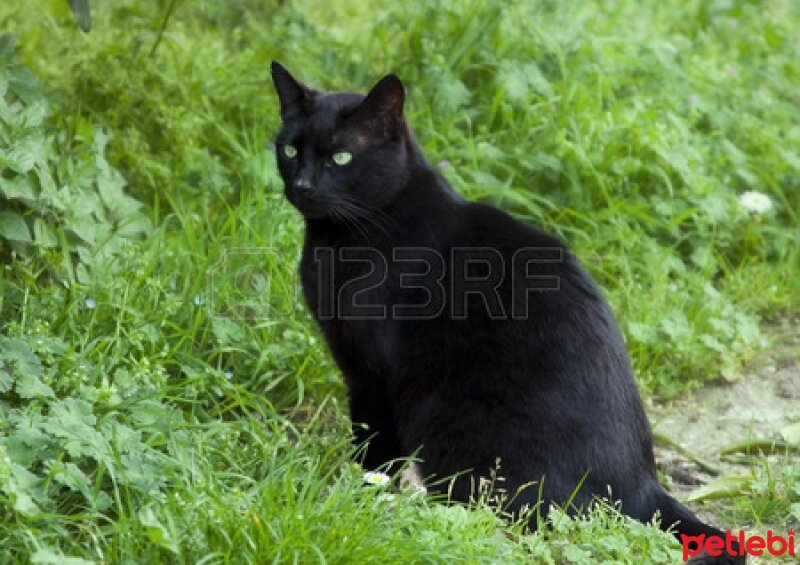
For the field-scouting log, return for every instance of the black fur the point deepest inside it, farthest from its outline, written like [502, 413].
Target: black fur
[539, 381]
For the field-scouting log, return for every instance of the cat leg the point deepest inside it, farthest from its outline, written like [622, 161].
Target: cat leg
[374, 429]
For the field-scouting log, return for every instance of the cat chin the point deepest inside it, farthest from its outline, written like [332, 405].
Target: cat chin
[310, 210]
[314, 214]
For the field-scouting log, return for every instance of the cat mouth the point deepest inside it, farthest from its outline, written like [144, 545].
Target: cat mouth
[311, 208]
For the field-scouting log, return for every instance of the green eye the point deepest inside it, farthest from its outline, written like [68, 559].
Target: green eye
[290, 151]
[342, 157]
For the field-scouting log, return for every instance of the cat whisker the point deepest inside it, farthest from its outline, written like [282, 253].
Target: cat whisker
[351, 219]
[371, 210]
[363, 213]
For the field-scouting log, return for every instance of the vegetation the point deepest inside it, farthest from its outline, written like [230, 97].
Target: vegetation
[165, 397]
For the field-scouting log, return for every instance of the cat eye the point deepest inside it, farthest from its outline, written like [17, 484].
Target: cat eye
[342, 157]
[290, 151]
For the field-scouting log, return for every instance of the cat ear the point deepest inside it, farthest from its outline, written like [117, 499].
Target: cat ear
[386, 98]
[292, 94]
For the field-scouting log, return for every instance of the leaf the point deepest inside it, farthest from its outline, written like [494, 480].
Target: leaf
[82, 14]
[574, 554]
[134, 225]
[712, 343]
[676, 326]
[13, 227]
[143, 470]
[55, 557]
[451, 92]
[791, 434]
[72, 421]
[226, 331]
[24, 504]
[22, 487]
[723, 487]
[642, 333]
[17, 188]
[33, 115]
[6, 382]
[156, 531]
[29, 386]
[26, 153]
[6, 46]
[83, 227]
[16, 354]
[705, 465]
[71, 476]
[27, 440]
[43, 235]
[758, 446]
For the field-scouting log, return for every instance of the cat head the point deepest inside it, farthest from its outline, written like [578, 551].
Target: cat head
[341, 154]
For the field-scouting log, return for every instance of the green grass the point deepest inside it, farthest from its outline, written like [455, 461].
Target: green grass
[165, 396]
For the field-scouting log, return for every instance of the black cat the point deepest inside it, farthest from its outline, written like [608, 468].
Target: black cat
[465, 337]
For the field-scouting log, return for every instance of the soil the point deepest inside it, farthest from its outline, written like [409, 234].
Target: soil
[756, 406]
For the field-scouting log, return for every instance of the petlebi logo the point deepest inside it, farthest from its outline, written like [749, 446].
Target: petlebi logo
[739, 545]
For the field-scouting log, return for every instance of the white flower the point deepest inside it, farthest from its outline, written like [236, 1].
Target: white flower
[377, 479]
[755, 202]
[229, 375]
[90, 303]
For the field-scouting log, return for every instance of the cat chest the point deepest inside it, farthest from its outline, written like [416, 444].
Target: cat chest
[351, 301]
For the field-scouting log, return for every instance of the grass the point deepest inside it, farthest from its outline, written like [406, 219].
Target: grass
[165, 395]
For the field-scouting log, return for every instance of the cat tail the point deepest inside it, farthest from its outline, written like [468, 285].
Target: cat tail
[690, 530]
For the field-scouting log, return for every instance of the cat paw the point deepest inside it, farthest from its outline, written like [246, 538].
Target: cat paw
[411, 477]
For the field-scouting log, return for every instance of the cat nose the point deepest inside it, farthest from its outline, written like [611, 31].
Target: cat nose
[303, 185]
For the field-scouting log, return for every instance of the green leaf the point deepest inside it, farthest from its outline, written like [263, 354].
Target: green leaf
[135, 225]
[24, 504]
[226, 331]
[29, 386]
[16, 354]
[17, 188]
[82, 14]
[156, 531]
[23, 487]
[6, 382]
[72, 421]
[723, 487]
[574, 554]
[6, 46]
[72, 477]
[83, 227]
[43, 235]
[642, 333]
[759, 446]
[26, 153]
[55, 557]
[13, 227]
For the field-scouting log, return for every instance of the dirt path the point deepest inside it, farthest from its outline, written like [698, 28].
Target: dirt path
[757, 406]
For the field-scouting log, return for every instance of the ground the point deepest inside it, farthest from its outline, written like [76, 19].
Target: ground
[708, 422]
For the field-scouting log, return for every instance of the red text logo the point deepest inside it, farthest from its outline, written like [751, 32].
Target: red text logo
[738, 545]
